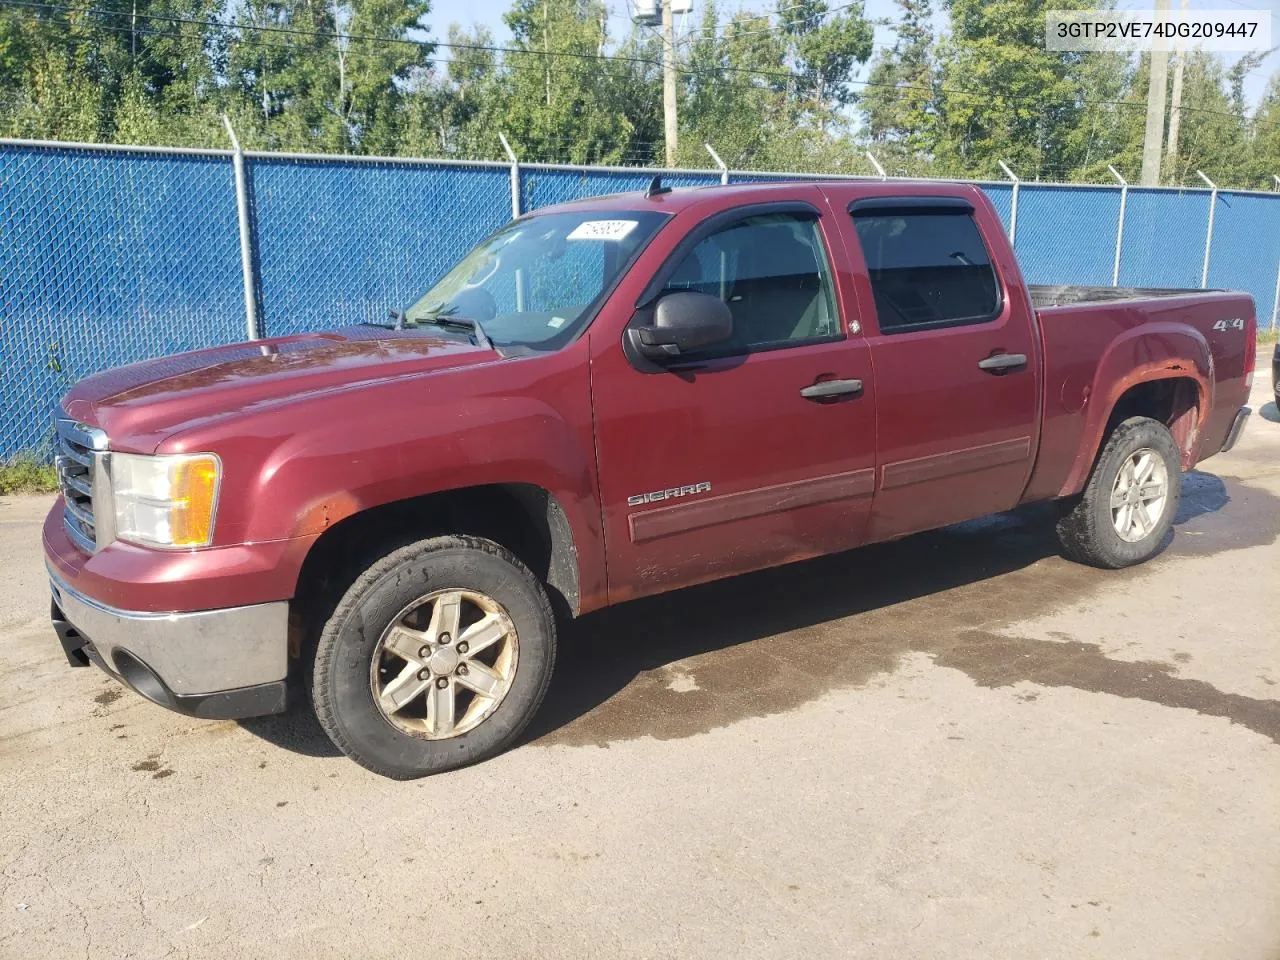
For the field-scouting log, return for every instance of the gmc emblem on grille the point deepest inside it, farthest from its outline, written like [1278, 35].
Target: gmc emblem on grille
[671, 493]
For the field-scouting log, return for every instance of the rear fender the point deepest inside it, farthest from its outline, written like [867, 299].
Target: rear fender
[1144, 353]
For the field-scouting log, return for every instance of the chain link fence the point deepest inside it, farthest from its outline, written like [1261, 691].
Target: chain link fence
[107, 257]
[111, 255]
[542, 185]
[340, 242]
[1067, 233]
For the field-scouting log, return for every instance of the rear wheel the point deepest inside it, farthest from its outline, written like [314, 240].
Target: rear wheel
[1127, 506]
[436, 657]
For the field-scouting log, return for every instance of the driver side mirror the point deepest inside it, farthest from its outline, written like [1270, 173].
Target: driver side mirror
[683, 322]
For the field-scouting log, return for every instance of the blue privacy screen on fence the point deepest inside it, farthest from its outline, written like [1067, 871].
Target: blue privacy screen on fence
[1246, 247]
[1063, 235]
[112, 255]
[341, 242]
[1001, 198]
[541, 187]
[1164, 233]
[107, 258]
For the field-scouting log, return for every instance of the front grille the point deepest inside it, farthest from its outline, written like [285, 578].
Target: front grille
[78, 459]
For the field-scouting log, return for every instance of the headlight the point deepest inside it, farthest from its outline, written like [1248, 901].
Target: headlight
[167, 500]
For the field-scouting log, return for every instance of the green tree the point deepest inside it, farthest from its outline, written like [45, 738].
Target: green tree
[1102, 123]
[896, 105]
[371, 73]
[168, 74]
[773, 95]
[278, 80]
[1003, 96]
[769, 90]
[338, 84]
[1264, 148]
[452, 113]
[558, 99]
[1214, 131]
[1213, 135]
[824, 52]
[733, 94]
[49, 97]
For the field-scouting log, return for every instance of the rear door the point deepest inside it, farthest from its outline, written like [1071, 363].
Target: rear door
[956, 362]
[754, 453]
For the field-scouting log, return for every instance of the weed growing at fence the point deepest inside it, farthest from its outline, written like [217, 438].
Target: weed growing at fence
[27, 473]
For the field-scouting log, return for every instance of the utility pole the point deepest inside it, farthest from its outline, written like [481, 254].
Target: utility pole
[1156, 89]
[669, 118]
[1175, 111]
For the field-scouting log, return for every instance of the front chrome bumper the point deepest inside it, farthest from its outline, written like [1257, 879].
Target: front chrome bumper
[218, 664]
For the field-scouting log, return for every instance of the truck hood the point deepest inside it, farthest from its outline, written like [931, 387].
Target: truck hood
[140, 404]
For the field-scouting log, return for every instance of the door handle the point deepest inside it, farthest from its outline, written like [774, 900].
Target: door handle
[828, 389]
[1002, 362]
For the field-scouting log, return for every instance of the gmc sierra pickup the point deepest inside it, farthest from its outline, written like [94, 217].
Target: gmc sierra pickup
[604, 400]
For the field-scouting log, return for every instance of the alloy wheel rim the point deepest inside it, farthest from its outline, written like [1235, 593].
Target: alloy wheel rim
[1139, 495]
[444, 664]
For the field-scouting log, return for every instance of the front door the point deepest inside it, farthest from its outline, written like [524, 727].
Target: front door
[756, 452]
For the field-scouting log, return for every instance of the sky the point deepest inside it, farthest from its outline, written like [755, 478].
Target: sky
[489, 13]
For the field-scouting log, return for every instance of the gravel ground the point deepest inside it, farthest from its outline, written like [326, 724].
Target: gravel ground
[957, 745]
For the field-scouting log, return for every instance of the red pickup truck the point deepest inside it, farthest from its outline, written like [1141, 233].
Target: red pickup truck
[604, 400]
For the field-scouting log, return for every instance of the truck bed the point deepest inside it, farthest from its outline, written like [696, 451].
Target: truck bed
[1092, 337]
[1063, 294]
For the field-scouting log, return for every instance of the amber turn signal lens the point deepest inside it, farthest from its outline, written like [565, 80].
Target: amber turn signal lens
[165, 500]
[195, 488]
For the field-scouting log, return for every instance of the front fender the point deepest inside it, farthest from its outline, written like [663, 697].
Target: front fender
[293, 470]
[313, 481]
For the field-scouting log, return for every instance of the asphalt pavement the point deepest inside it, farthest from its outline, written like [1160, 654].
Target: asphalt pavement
[958, 745]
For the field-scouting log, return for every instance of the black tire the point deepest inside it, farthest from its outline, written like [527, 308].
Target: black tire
[1086, 529]
[341, 690]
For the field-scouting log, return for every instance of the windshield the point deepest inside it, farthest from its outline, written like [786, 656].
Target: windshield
[537, 281]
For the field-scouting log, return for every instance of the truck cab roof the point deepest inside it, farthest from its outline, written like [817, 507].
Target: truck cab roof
[708, 199]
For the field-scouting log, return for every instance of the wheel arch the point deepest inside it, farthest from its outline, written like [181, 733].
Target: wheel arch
[1163, 371]
[524, 518]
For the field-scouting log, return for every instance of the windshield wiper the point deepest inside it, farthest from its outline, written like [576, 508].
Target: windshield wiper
[400, 317]
[469, 324]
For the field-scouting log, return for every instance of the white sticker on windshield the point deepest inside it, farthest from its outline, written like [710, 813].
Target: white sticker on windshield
[602, 230]
[556, 322]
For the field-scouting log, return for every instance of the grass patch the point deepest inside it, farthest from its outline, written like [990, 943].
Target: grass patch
[27, 473]
[1266, 337]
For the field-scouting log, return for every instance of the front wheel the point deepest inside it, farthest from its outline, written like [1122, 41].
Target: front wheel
[1127, 506]
[436, 657]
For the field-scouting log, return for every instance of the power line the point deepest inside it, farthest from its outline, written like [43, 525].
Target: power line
[332, 35]
[323, 34]
[709, 73]
[405, 41]
[782, 24]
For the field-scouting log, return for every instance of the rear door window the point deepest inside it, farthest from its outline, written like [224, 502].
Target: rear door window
[928, 269]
